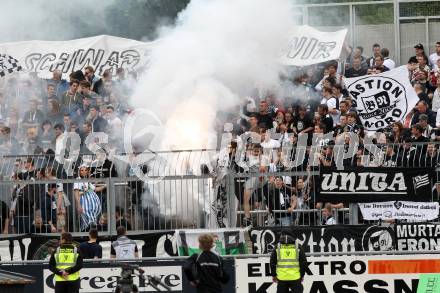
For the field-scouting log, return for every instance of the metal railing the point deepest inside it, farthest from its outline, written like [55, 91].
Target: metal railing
[199, 192]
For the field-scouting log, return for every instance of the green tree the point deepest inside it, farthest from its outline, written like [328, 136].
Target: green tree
[140, 19]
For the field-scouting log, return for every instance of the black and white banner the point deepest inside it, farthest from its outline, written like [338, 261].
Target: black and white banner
[382, 99]
[8, 65]
[346, 238]
[309, 46]
[339, 238]
[376, 184]
[101, 52]
[39, 247]
[400, 210]
[418, 236]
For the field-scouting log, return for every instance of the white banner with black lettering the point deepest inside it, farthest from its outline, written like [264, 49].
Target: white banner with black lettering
[382, 99]
[309, 46]
[101, 52]
[400, 210]
[337, 274]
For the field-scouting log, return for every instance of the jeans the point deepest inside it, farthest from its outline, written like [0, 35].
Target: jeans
[285, 221]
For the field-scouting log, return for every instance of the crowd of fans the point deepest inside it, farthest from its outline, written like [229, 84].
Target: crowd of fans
[36, 114]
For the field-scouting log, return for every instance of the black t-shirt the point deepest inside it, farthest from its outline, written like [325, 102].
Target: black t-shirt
[302, 123]
[90, 250]
[351, 72]
[328, 122]
[265, 120]
[124, 223]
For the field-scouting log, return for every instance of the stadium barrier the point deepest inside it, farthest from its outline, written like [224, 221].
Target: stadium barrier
[357, 272]
[195, 189]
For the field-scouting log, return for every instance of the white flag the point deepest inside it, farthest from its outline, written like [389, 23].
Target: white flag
[400, 210]
[101, 52]
[382, 99]
[309, 46]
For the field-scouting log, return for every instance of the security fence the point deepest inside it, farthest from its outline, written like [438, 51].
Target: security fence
[397, 24]
[193, 189]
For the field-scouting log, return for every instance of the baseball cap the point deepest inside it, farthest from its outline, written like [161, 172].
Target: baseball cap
[418, 46]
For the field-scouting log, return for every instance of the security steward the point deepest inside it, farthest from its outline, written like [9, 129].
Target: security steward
[288, 265]
[65, 263]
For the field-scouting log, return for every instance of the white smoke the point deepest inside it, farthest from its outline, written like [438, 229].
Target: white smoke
[219, 52]
[24, 20]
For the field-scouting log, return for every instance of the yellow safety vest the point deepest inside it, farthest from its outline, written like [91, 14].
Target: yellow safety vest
[65, 257]
[287, 262]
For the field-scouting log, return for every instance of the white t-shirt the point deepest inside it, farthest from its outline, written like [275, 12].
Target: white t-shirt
[389, 63]
[332, 104]
[83, 186]
[433, 60]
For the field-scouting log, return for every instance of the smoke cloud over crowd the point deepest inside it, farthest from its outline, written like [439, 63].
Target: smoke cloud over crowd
[218, 53]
